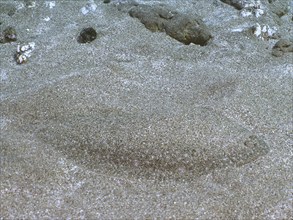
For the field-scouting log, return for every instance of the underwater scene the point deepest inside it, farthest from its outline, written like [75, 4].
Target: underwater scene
[146, 109]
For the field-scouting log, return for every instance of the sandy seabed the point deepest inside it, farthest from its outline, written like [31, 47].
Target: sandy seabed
[136, 125]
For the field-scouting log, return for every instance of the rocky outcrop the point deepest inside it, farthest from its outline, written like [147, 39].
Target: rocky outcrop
[178, 26]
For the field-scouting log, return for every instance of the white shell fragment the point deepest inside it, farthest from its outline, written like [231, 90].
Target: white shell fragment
[32, 4]
[20, 6]
[264, 32]
[50, 4]
[257, 31]
[245, 13]
[24, 52]
[90, 7]
[20, 58]
[47, 18]
[253, 8]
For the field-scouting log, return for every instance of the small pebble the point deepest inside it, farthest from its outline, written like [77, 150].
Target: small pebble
[8, 35]
[281, 47]
[87, 35]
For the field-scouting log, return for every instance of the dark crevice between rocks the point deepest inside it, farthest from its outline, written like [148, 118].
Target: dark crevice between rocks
[239, 5]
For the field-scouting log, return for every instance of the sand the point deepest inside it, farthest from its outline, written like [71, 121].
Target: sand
[136, 125]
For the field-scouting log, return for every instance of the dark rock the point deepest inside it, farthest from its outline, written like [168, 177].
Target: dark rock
[106, 1]
[178, 26]
[151, 17]
[8, 35]
[281, 47]
[188, 30]
[238, 4]
[87, 35]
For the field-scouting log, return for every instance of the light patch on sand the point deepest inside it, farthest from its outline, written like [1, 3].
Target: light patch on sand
[4, 122]
[50, 4]
[3, 76]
